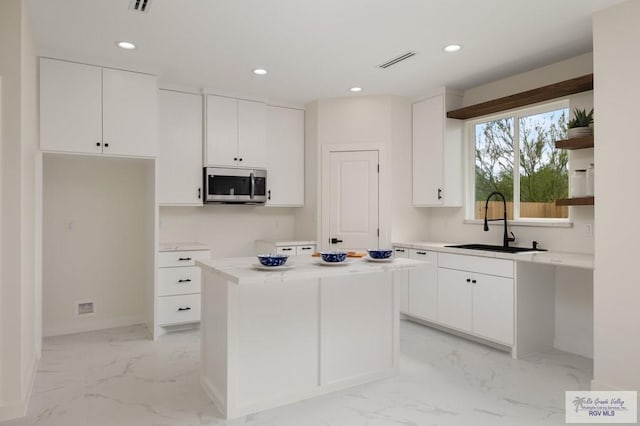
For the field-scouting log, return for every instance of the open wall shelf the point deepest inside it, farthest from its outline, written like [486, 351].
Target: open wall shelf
[575, 143]
[580, 201]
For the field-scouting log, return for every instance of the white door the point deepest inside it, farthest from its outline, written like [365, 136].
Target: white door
[180, 148]
[423, 285]
[222, 131]
[70, 107]
[252, 134]
[353, 200]
[129, 113]
[285, 157]
[428, 138]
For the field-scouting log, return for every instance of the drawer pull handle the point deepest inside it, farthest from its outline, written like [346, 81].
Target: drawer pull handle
[184, 281]
[287, 249]
[400, 250]
[473, 281]
[182, 259]
[421, 252]
[468, 280]
[305, 248]
[184, 309]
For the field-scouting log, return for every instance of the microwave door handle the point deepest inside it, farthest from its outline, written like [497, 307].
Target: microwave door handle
[253, 186]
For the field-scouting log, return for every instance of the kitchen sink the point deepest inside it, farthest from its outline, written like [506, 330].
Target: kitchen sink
[489, 247]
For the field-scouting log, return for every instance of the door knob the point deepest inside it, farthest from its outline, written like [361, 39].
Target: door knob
[335, 241]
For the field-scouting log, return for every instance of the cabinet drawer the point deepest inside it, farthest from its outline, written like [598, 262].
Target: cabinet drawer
[427, 256]
[178, 309]
[290, 250]
[181, 258]
[305, 250]
[401, 252]
[482, 265]
[172, 281]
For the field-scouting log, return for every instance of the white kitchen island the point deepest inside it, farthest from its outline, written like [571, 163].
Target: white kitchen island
[274, 337]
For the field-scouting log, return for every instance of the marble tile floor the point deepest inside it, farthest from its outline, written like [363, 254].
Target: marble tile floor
[120, 377]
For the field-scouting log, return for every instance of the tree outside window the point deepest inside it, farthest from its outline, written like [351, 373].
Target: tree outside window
[533, 179]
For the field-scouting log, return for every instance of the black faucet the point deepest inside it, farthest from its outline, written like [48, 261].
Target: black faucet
[506, 238]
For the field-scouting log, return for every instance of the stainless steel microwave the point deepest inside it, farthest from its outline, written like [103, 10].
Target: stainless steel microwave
[235, 185]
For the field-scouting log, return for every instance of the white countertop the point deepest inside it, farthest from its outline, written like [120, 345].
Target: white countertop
[575, 260]
[241, 270]
[280, 243]
[180, 246]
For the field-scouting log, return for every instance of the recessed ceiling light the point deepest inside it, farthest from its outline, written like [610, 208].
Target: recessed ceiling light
[356, 89]
[260, 71]
[452, 48]
[127, 45]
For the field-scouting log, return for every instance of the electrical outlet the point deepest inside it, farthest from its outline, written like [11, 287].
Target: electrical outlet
[85, 308]
[587, 230]
[68, 226]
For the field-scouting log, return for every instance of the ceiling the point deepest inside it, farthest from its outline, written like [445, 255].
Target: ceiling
[320, 48]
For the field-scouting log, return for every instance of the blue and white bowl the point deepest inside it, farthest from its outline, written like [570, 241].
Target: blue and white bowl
[333, 256]
[379, 253]
[273, 259]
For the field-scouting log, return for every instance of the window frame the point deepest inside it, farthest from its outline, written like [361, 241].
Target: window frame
[470, 164]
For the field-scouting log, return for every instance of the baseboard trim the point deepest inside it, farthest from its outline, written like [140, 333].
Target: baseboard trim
[91, 324]
[18, 409]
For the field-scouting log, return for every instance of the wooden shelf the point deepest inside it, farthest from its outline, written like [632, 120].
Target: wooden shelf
[575, 143]
[545, 93]
[581, 201]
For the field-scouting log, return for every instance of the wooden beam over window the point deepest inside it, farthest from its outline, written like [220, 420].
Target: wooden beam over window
[541, 94]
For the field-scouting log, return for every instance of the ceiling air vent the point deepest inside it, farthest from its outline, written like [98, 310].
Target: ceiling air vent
[139, 5]
[394, 61]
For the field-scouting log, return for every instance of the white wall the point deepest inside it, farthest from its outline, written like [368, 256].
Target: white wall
[96, 241]
[381, 120]
[19, 139]
[228, 230]
[616, 282]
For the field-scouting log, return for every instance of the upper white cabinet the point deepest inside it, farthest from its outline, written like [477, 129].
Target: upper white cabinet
[437, 152]
[285, 157]
[180, 148]
[89, 109]
[236, 132]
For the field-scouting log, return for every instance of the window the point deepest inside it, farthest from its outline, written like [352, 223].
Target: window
[515, 154]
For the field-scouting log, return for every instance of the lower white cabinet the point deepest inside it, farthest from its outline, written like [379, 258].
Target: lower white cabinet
[292, 248]
[178, 287]
[474, 298]
[423, 285]
[403, 280]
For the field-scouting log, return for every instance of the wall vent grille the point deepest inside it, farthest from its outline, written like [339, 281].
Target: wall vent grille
[397, 59]
[140, 5]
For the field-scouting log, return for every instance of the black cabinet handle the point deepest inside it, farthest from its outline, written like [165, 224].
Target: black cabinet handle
[268, 194]
[199, 193]
[106, 145]
[400, 250]
[97, 143]
[287, 249]
[184, 281]
[421, 252]
[439, 194]
[184, 258]
[184, 309]
[305, 248]
[473, 281]
[239, 159]
[335, 241]
[235, 158]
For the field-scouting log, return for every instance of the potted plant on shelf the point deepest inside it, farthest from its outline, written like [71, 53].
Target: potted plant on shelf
[580, 125]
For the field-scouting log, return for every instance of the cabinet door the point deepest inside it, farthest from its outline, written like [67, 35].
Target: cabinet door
[428, 153]
[222, 131]
[252, 134]
[423, 285]
[180, 148]
[130, 113]
[493, 308]
[402, 278]
[285, 157]
[455, 299]
[70, 107]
